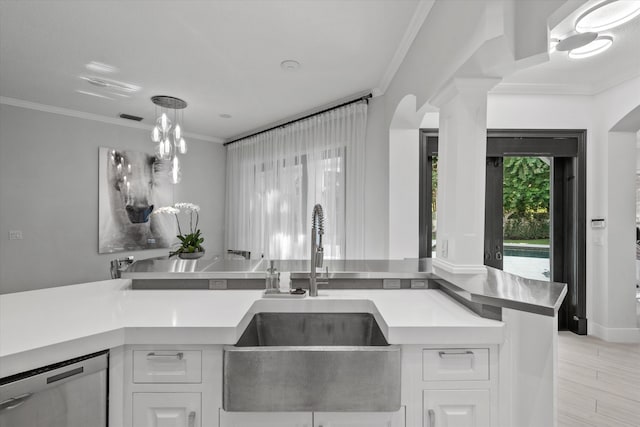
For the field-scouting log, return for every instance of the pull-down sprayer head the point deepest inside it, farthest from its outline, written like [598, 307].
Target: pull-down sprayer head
[317, 230]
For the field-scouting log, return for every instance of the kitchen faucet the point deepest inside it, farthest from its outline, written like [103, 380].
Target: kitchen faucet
[317, 252]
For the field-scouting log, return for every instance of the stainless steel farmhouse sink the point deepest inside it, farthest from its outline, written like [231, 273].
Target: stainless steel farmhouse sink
[312, 362]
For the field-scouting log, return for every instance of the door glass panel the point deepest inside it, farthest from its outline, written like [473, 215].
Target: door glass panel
[526, 207]
[434, 193]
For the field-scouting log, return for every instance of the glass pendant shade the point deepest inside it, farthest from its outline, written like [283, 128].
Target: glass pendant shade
[168, 135]
[176, 175]
[164, 122]
[155, 134]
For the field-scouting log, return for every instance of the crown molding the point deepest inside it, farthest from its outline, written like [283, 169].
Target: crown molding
[94, 117]
[462, 85]
[418, 18]
[563, 88]
[541, 89]
[615, 81]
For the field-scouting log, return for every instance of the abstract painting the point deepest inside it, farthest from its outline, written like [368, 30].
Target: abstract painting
[131, 185]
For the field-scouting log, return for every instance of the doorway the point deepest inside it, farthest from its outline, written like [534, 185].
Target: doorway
[535, 209]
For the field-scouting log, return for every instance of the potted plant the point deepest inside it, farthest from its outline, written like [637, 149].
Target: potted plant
[190, 243]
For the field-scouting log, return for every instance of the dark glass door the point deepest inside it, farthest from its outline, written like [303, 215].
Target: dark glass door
[535, 209]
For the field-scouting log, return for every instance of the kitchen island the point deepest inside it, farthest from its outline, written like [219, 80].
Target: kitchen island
[506, 374]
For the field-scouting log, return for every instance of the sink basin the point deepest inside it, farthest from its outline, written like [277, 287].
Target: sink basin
[312, 362]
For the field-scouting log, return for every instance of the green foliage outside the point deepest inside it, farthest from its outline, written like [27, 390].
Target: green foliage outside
[526, 198]
[526, 187]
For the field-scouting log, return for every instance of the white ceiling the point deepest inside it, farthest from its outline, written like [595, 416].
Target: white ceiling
[222, 56]
[582, 76]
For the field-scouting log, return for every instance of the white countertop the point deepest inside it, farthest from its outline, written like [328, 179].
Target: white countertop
[46, 326]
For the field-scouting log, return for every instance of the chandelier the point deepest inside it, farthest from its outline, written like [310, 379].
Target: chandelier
[167, 132]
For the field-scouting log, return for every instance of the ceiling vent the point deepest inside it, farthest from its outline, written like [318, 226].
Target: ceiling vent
[130, 117]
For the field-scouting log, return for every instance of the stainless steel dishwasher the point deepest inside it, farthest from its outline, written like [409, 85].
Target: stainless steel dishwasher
[66, 394]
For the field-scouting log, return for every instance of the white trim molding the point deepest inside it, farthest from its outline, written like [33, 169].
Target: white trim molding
[515, 88]
[618, 335]
[95, 117]
[462, 85]
[418, 18]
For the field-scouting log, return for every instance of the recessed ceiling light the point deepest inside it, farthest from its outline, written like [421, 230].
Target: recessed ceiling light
[101, 67]
[576, 41]
[290, 65]
[597, 46]
[606, 15]
[225, 116]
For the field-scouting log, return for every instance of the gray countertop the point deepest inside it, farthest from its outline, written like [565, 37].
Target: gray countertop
[493, 287]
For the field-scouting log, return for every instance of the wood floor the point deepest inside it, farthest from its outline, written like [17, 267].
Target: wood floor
[598, 382]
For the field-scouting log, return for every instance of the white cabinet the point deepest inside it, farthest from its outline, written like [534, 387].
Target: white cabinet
[359, 419]
[454, 364]
[456, 408]
[308, 419]
[165, 386]
[265, 419]
[166, 410]
[167, 366]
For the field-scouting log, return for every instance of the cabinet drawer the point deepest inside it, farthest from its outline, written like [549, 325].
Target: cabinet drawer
[167, 410]
[468, 408]
[455, 364]
[167, 366]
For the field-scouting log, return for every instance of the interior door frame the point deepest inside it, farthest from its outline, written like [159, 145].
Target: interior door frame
[567, 148]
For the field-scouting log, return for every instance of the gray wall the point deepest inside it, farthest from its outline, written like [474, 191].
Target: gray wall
[49, 190]
[376, 188]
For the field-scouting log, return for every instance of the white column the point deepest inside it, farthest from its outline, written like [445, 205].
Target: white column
[462, 150]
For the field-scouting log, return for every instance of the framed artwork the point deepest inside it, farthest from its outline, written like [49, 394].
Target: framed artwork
[131, 185]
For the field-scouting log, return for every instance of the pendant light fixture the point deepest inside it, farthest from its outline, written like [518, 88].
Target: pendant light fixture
[606, 15]
[599, 45]
[588, 39]
[168, 133]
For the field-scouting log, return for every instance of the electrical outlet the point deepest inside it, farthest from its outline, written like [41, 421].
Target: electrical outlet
[444, 251]
[15, 234]
[391, 283]
[418, 284]
[217, 284]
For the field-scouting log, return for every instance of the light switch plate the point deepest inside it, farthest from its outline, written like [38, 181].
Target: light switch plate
[391, 283]
[15, 234]
[217, 283]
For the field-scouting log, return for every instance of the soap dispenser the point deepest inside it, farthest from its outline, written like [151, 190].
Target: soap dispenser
[272, 281]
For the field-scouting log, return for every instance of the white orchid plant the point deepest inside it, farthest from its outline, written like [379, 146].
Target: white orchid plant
[191, 242]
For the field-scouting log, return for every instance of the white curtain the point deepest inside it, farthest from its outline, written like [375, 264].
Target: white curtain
[275, 178]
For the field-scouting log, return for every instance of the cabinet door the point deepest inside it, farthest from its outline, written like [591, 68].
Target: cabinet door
[456, 408]
[265, 419]
[166, 410]
[359, 419]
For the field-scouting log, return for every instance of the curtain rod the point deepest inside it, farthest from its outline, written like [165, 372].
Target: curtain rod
[353, 101]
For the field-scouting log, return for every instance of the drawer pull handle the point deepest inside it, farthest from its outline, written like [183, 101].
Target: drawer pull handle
[192, 419]
[154, 356]
[451, 354]
[14, 402]
[431, 414]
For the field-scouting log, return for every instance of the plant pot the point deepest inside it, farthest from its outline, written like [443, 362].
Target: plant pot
[190, 255]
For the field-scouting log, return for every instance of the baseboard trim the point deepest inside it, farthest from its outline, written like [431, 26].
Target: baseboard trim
[619, 335]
